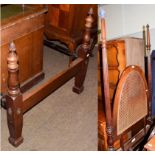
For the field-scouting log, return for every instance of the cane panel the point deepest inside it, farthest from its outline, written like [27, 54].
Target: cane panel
[130, 104]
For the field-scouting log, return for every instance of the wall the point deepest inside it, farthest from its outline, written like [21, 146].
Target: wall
[122, 20]
[152, 35]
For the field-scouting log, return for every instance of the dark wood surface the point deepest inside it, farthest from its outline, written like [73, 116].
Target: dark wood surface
[17, 103]
[24, 25]
[66, 22]
[106, 88]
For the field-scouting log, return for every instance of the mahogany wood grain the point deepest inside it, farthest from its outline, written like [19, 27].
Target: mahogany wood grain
[18, 103]
[14, 99]
[26, 29]
[120, 53]
[65, 23]
[105, 77]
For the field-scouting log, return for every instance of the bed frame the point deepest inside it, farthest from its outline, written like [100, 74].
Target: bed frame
[17, 103]
[131, 103]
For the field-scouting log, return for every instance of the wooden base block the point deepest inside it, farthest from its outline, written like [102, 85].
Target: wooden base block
[78, 90]
[16, 142]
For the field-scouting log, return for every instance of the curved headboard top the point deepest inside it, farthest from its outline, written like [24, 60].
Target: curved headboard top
[131, 99]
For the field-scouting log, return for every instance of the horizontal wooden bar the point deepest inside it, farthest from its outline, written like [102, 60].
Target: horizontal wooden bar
[35, 96]
[132, 142]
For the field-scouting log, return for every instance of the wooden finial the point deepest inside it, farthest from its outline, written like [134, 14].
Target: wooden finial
[89, 19]
[88, 26]
[148, 46]
[13, 67]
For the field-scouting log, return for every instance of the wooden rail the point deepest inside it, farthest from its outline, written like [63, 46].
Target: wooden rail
[18, 103]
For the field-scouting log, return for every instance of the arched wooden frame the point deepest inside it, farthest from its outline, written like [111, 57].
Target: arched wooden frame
[117, 98]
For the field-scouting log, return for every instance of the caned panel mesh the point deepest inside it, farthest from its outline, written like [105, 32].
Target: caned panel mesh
[132, 105]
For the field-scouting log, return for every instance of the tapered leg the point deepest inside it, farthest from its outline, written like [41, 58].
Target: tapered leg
[84, 53]
[15, 120]
[80, 77]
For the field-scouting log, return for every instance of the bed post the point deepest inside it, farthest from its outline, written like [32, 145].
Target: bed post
[84, 53]
[14, 99]
[149, 74]
[105, 75]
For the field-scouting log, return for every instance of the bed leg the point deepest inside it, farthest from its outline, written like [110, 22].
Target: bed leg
[80, 77]
[14, 99]
[15, 120]
[84, 52]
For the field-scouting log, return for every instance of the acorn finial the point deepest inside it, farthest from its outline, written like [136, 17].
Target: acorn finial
[12, 57]
[89, 19]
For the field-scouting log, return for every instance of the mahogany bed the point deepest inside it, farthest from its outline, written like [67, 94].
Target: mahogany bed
[131, 101]
[17, 103]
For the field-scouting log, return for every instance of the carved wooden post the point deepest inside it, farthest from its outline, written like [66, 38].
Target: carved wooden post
[93, 40]
[83, 53]
[149, 76]
[105, 77]
[14, 99]
[144, 38]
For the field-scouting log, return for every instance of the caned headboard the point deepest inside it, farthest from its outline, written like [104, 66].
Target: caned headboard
[130, 104]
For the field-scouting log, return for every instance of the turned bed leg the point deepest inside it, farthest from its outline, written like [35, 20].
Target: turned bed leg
[83, 53]
[14, 99]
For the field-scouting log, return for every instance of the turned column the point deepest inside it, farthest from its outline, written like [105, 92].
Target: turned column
[83, 53]
[106, 87]
[14, 99]
[149, 73]
[93, 34]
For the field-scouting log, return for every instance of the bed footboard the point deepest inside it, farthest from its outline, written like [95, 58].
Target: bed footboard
[18, 103]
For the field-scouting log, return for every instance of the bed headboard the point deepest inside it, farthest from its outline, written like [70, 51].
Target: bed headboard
[130, 104]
